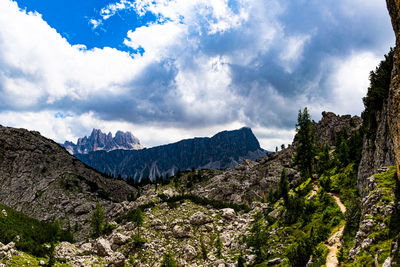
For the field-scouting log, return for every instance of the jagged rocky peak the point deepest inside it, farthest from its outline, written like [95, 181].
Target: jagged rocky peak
[224, 150]
[331, 125]
[102, 141]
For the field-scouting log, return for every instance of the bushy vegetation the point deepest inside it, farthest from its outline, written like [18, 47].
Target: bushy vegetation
[378, 92]
[97, 220]
[303, 230]
[29, 234]
[168, 260]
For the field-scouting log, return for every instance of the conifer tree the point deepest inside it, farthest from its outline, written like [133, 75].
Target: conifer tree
[305, 151]
[284, 186]
[137, 219]
[219, 245]
[203, 248]
[168, 260]
[97, 220]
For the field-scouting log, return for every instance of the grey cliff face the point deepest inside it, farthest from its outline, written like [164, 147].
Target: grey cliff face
[331, 125]
[378, 152]
[41, 179]
[224, 150]
[101, 141]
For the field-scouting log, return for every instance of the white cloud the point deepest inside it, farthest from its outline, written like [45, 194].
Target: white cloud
[211, 61]
[72, 127]
[293, 51]
[350, 82]
[95, 23]
[156, 39]
[37, 64]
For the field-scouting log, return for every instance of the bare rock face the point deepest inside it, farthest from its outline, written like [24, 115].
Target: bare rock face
[331, 125]
[41, 179]
[376, 152]
[394, 92]
[101, 141]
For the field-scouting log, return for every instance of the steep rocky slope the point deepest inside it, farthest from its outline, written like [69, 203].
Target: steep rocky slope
[101, 141]
[378, 150]
[394, 93]
[41, 179]
[224, 150]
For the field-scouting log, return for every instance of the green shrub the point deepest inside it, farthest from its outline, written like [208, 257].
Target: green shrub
[138, 240]
[97, 220]
[168, 260]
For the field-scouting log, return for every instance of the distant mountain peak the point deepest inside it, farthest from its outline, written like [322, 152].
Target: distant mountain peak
[223, 150]
[102, 141]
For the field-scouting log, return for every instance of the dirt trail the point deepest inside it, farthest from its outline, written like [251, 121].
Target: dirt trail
[333, 242]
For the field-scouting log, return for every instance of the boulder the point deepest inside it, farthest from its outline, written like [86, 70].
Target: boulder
[83, 208]
[169, 192]
[158, 225]
[86, 247]
[181, 231]
[189, 252]
[102, 247]
[228, 213]
[119, 239]
[66, 250]
[116, 260]
[199, 218]
[4, 212]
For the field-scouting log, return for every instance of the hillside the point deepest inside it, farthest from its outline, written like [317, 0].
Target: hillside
[39, 178]
[224, 150]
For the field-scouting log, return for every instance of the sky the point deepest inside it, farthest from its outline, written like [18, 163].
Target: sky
[167, 70]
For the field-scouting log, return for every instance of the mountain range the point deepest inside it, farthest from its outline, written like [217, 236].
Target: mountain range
[104, 142]
[224, 150]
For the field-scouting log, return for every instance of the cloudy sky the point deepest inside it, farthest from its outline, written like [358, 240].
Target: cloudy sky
[173, 69]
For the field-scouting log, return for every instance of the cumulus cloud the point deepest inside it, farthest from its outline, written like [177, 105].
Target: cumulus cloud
[204, 65]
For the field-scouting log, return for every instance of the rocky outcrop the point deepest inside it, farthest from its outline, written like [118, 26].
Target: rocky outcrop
[41, 179]
[377, 151]
[101, 141]
[328, 128]
[378, 208]
[394, 92]
[224, 150]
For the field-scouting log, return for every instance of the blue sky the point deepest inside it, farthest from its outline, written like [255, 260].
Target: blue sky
[168, 70]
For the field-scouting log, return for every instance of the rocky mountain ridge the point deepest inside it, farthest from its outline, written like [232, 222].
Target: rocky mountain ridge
[105, 142]
[223, 150]
[41, 179]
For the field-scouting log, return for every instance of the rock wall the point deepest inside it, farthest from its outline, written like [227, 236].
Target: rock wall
[394, 92]
[376, 153]
[328, 128]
